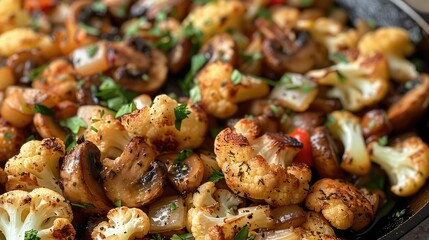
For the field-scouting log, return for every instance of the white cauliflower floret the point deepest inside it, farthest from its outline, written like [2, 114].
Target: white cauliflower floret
[36, 165]
[157, 124]
[341, 203]
[358, 83]
[259, 166]
[124, 224]
[406, 163]
[214, 214]
[107, 133]
[331, 34]
[41, 210]
[346, 127]
[222, 88]
[396, 45]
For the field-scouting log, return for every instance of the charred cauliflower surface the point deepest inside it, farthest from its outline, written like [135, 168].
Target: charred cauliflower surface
[260, 166]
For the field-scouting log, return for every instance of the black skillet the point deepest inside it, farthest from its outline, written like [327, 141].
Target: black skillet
[407, 213]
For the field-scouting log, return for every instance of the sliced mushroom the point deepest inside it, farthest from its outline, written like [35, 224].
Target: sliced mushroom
[325, 105]
[85, 93]
[23, 62]
[375, 124]
[150, 8]
[180, 55]
[137, 67]
[403, 113]
[290, 51]
[80, 176]
[47, 127]
[308, 120]
[184, 174]
[325, 154]
[134, 178]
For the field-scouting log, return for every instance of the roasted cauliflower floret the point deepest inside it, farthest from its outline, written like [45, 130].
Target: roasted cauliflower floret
[259, 166]
[216, 17]
[124, 224]
[214, 214]
[42, 210]
[346, 127]
[395, 43]
[406, 163]
[331, 34]
[107, 133]
[12, 15]
[342, 204]
[25, 38]
[11, 139]
[36, 165]
[358, 83]
[158, 124]
[222, 88]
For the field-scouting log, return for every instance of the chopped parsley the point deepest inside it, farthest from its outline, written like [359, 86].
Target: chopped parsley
[35, 72]
[121, 11]
[83, 205]
[202, 1]
[372, 23]
[340, 76]
[42, 109]
[157, 237]
[173, 206]
[133, 28]
[216, 176]
[99, 7]
[89, 29]
[74, 124]
[195, 94]
[264, 13]
[8, 135]
[30, 138]
[125, 109]
[180, 112]
[117, 203]
[94, 129]
[112, 95]
[236, 77]
[275, 109]
[182, 156]
[306, 3]
[329, 121]
[31, 235]
[248, 58]
[70, 142]
[338, 57]
[197, 62]
[383, 140]
[242, 234]
[91, 50]
[372, 123]
[182, 237]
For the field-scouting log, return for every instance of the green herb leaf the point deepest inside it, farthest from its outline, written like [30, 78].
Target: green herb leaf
[372, 23]
[338, 57]
[197, 62]
[125, 109]
[8, 135]
[113, 95]
[30, 138]
[386, 208]
[215, 131]
[286, 78]
[372, 123]
[89, 29]
[31, 235]
[329, 121]
[195, 94]
[74, 124]
[202, 2]
[306, 3]
[99, 7]
[216, 176]
[182, 237]
[248, 58]
[180, 112]
[249, 116]
[383, 140]
[253, 236]
[242, 234]
[39, 108]
[157, 237]
[275, 109]
[118, 203]
[340, 76]
[377, 181]
[94, 129]
[173, 206]
[182, 156]
[121, 11]
[70, 142]
[84, 205]
[236, 77]
[91, 50]
[264, 13]
[306, 88]
[35, 72]
[133, 28]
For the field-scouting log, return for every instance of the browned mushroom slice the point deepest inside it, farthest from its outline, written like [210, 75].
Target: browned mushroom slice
[80, 177]
[137, 67]
[23, 62]
[184, 172]
[375, 124]
[179, 56]
[291, 51]
[134, 178]
[47, 127]
[150, 9]
[308, 120]
[412, 105]
[324, 154]
[221, 48]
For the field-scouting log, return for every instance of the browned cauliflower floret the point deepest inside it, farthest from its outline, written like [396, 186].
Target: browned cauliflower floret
[360, 82]
[13, 15]
[11, 139]
[342, 204]
[222, 88]
[396, 45]
[259, 166]
[158, 124]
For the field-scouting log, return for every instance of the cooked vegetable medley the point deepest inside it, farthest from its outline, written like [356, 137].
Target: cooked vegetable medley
[203, 119]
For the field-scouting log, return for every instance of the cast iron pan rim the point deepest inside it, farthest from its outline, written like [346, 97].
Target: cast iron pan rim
[413, 14]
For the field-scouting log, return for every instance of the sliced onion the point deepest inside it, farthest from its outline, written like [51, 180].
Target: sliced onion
[167, 214]
[288, 216]
[91, 59]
